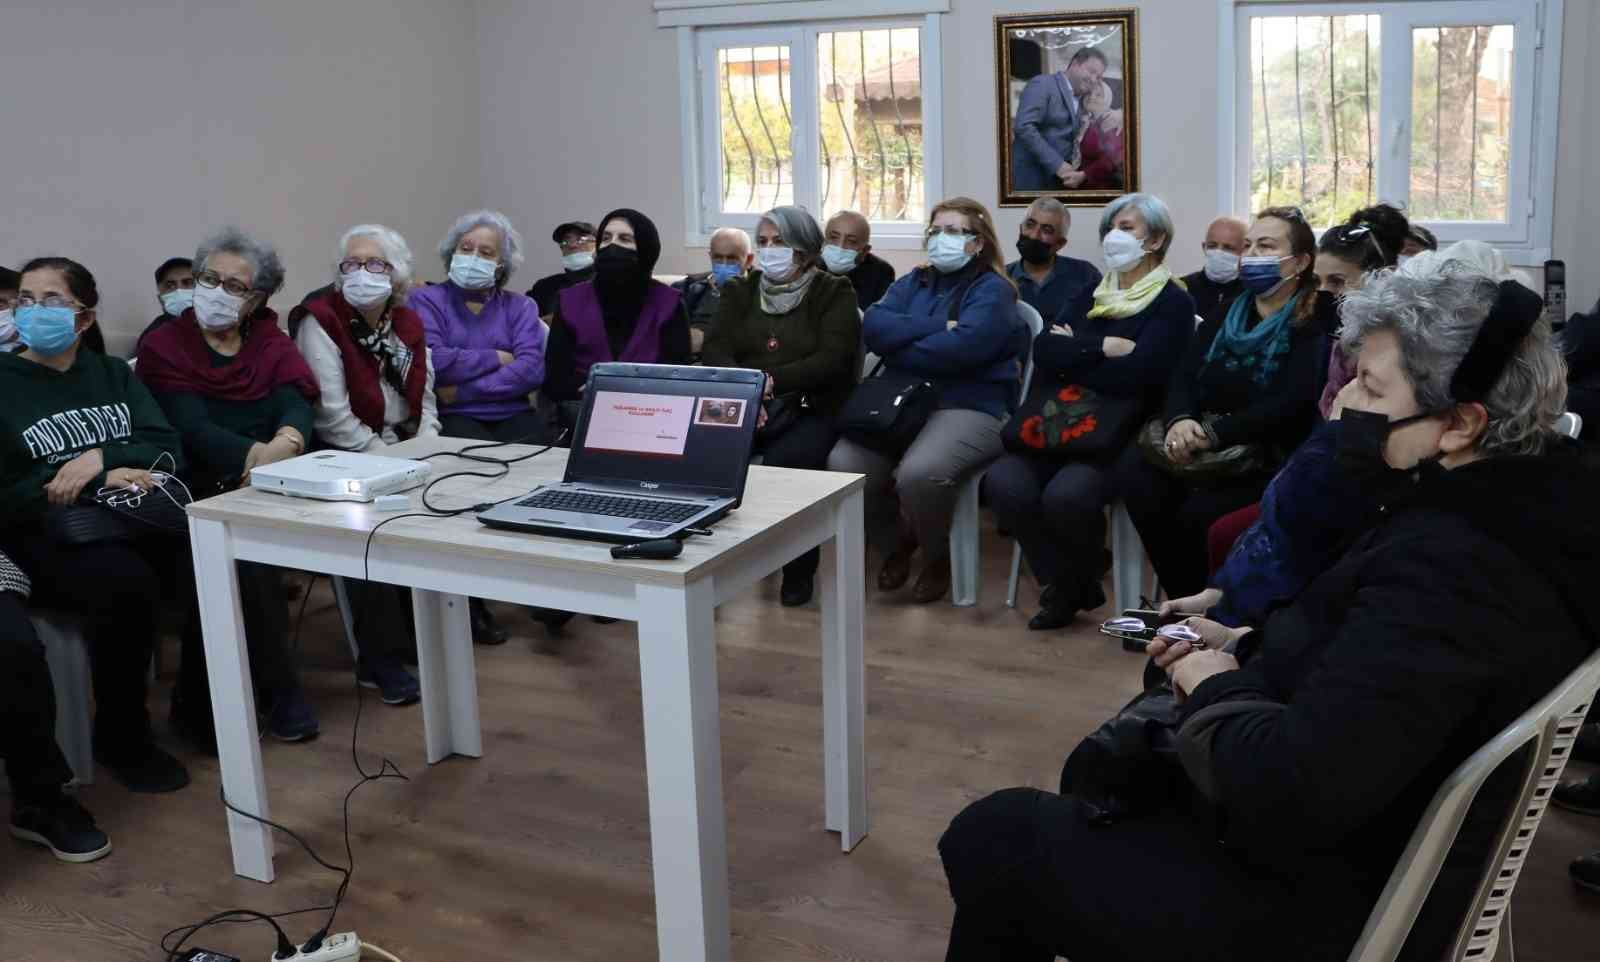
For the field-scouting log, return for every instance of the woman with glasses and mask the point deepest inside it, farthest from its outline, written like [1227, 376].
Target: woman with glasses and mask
[240, 394]
[1250, 376]
[370, 356]
[487, 342]
[76, 423]
[797, 322]
[622, 314]
[953, 321]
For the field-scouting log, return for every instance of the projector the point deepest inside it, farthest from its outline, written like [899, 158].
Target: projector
[339, 476]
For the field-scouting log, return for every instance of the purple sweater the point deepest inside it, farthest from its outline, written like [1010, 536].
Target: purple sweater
[463, 345]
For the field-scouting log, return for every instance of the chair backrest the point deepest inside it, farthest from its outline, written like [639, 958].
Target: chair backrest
[1551, 725]
[1570, 424]
[1030, 316]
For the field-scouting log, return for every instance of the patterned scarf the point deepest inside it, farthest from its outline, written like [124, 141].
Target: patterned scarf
[1257, 351]
[394, 358]
[1117, 303]
[780, 299]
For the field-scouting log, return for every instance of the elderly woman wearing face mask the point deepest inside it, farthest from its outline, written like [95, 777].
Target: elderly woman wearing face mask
[487, 342]
[623, 314]
[241, 396]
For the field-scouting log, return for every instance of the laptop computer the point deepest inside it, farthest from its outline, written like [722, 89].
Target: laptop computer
[658, 448]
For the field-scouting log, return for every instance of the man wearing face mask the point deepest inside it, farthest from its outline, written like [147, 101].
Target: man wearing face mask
[624, 314]
[847, 251]
[9, 341]
[576, 239]
[1045, 278]
[175, 291]
[1218, 282]
[731, 258]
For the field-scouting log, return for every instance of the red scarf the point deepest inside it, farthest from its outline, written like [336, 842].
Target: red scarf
[175, 359]
[363, 370]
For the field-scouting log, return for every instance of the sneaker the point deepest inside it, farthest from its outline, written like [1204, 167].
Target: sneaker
[291, 718]
[395, 685]
[1587, 746]
[61, 825]
[1581, 796]
[1585, 872]
[144, 768]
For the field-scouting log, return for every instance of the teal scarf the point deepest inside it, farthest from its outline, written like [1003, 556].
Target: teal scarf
[1258, 352]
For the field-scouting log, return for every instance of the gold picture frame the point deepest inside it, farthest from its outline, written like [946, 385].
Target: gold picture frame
[1063, 79]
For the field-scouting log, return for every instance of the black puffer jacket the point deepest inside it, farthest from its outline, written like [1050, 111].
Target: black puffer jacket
[1463, 606]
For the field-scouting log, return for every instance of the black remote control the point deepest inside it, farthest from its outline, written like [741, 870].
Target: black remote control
[660, 549]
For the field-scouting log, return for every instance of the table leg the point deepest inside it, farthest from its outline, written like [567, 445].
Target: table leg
[683, 762]
[447, 675]
[233, 701]
[844, 698]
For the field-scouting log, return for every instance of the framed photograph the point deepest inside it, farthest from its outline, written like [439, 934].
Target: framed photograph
[1068, 104]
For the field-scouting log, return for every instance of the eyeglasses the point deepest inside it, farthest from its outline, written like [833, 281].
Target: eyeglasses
[577, 243]
[213, 279]
[933, 232]
[49, 300]
[373, 265]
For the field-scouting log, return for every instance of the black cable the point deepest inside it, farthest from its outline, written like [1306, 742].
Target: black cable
[285, 947]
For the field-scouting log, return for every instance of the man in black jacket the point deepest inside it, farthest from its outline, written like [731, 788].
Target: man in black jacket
[576, 239]
[1310, 752]
[1218, 282]
[848, 251]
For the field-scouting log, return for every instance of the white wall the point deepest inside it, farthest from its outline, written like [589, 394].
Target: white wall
[131, 128]
[569, 149]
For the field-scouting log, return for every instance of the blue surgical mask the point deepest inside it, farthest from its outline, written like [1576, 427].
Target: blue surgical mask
[177, 301]
[47, 331]
[472, 272]
[577, 260]
[839, 260]
[723, 273]
[948, 252]
[1262, 275]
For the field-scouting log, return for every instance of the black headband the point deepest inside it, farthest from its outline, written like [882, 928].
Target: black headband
[1516, 309]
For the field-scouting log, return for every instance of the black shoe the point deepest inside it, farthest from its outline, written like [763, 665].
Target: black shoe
[144, 768]
[1582, 796]
[61, 825]
[553, 619]
[1093, 596]
[796, 590]
[1585, 872]
[1049, 619]
[485, 630]
[1587, 746]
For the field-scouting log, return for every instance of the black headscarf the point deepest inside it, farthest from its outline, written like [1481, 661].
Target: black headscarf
[622, 289]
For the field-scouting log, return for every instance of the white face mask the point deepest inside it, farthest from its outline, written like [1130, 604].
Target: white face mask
[8, 328]
[1222, 266]
[362, 289]
[838, 260]
[1122, 250]
[216, 309]
[577, 260]
[777, 263]
[178, 301]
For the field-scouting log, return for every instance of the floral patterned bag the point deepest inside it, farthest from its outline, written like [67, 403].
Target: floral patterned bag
[1063, 421]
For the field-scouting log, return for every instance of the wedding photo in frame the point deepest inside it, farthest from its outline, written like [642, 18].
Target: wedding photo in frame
[1067, 94]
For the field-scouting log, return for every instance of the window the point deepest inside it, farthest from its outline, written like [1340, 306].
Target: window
[1444, 107]
[829, 116]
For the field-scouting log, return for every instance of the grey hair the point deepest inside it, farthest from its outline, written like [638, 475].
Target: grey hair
[510, 240]
[1157, 219]
[1049, 205]
[735, 234]
[1436, 316]
[797, 228]
[266, 270]
[395, 251]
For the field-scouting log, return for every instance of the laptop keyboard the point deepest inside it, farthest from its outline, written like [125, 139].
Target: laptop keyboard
[613, 506]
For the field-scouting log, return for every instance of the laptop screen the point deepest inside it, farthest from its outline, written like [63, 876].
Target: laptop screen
[670, 431]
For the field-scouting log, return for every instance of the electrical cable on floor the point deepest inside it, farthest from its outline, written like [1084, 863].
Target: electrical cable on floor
[367, 948]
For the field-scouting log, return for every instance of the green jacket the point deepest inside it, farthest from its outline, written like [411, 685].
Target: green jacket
[818, 344]
[49, 417]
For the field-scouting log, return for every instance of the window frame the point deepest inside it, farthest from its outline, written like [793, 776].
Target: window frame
[700, 107]
[1526, 237]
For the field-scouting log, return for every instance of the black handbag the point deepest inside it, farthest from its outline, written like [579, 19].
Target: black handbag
[1061, 420]
[1129, 765]
[121, 515]
[783, 413]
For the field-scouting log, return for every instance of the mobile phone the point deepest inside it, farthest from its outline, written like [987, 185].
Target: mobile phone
[1555, 293]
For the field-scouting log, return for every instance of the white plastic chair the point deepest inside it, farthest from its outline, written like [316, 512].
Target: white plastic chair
[1128, 566]
[1550, 726]
[965, 525]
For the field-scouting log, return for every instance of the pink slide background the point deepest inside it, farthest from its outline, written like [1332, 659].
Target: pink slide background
[655, 424]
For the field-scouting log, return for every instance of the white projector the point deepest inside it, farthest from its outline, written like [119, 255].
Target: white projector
[339, 476]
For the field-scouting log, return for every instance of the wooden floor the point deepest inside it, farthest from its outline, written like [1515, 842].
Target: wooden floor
[540, 850]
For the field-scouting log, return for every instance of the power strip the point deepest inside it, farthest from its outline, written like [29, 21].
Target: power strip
[343, 947]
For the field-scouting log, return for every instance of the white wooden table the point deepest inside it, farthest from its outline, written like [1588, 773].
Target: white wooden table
[447, 560]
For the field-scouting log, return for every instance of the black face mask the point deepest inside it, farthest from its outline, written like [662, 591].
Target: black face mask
[1035, 251]
[614, 260]
[1363, 435]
